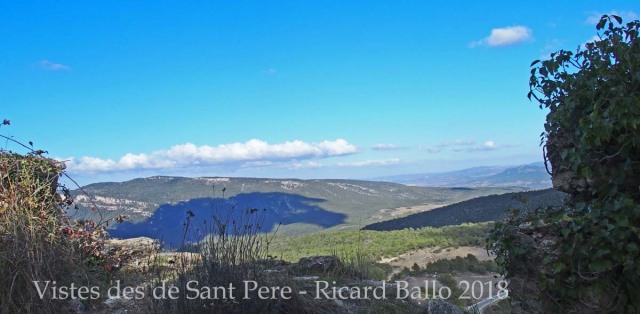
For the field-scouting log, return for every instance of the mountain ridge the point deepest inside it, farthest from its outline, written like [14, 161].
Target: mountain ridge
[161, 202]
[529, 176]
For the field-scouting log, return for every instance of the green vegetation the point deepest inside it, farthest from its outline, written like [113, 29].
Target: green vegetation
[468, 264]
[358, 265]
[37, 241]
[448, 281]
[481, 209]
[359, 202]
[445, 269]
[378, 244]
[592, 141]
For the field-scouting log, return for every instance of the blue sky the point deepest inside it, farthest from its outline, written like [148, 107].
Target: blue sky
[309, 89]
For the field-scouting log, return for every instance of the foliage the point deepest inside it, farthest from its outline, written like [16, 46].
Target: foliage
[358, 265]
[481, 209]
[37, 241]
[467, 264]
[378, 244]
[593, 97]
[592, 140]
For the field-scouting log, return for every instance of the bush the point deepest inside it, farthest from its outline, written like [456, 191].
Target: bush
[37, 241]
[592, 141]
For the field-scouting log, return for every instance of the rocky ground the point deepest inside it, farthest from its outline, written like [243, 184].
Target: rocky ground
[139, 255]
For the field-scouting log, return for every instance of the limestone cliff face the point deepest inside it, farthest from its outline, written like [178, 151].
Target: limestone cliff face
[113, 204]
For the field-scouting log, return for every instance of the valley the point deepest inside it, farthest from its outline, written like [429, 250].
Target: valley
[157, 206]
[383, 229]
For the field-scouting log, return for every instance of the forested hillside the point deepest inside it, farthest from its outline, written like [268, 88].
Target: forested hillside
[487, 208]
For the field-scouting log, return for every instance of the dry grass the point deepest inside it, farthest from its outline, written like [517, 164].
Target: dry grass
[33, 245]
[233, 251]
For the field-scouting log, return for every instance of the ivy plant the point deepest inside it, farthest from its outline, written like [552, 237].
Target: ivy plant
[592, 143]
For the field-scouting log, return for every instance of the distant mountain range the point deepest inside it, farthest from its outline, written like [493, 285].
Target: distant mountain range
[530, 176]
[481, 209]
[158, 206]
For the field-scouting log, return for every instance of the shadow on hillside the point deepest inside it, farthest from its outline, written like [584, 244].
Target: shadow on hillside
[167, 222]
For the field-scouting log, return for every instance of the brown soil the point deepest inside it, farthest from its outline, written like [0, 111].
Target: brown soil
[425, 256]
[389, 213]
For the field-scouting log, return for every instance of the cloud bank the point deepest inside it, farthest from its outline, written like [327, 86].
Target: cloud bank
[251, 153]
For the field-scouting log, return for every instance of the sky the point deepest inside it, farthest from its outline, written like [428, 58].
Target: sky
[295, 89]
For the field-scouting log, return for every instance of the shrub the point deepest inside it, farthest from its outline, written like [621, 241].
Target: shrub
[37, 241]
[592, 141]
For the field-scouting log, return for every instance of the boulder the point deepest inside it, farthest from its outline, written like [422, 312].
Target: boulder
[133, 246]
[130, 253]
[316, 264]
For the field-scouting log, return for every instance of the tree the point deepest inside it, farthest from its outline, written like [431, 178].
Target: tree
[592, 143]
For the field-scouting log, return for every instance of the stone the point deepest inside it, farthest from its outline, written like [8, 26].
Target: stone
[439, 306]
[317, 264]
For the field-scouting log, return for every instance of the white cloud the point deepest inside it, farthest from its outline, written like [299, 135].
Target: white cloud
[251, 153]
[626, 16]
[386, 147]
[490, 145]
[373, 162]
[51, 66]
[505, 36]
[303, 165]
[337, 148]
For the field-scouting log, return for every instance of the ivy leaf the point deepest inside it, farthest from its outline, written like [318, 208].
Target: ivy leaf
[600, 265]
[559, 267]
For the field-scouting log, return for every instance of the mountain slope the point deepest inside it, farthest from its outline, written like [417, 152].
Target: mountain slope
[481, 209]
[158, 205]
[529, 176]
